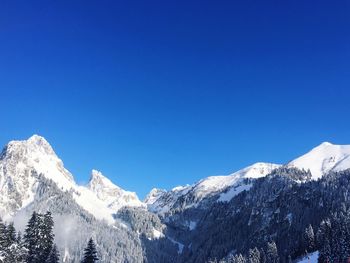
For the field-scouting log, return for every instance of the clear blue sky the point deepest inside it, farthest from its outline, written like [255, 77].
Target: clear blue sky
[162, 93]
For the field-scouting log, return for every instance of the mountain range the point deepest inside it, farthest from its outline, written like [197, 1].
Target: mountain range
[33, 178]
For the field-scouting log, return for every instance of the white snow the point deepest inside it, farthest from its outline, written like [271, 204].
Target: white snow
[102, 198]
[323, 159]
[112, 195]
[157, 234]
[208, 187]
[87, 200]
[320, 160]
[289, 217]
[233, 191]
[216, 183]
[153, 195]
[310, 258]
[192, 225]
[17, 162]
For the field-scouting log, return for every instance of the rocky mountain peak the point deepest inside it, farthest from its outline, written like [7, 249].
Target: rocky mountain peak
[112, 195]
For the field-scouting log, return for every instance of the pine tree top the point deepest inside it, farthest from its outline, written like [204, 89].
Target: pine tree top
[90, 253]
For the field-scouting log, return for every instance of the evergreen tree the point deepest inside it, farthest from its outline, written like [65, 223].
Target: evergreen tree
[239, 258]
[54, 255]
[309, 239]
[39, 237]
[262, 256]
[254, 255]
[19, 237]
[32, 238]
[11, 250]
[272, 253]
[11, 234]
[3, 238]
[16, 253]
[90, 253]
[47, 235]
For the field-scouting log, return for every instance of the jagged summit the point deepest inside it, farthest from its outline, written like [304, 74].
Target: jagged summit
[112, 195]
[34, 143]
[36, 154]
[37, 139]
[21, 163]
[96, 174]
[153, 195]
[97, 179]
[20, 158]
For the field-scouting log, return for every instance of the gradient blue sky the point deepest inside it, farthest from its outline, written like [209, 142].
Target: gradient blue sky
[163, 93]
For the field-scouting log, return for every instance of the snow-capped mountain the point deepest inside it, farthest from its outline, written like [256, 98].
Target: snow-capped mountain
[162, 202]
[22, 161]
[33, 178]
[113, 196]
[17, 162]
[324, 158]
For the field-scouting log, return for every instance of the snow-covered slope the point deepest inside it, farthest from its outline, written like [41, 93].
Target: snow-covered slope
[320, 160]
[22, 161]
[113, 196]
[162, 202]
[310, 258]
[217, 183]
[324, 158]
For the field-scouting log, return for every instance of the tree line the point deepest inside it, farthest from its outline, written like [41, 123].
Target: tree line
[331, 240]
[37, 244]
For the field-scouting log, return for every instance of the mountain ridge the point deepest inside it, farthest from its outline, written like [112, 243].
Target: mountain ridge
[33, 177]
[19, 159]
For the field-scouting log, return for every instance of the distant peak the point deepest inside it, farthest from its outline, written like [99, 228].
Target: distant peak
[324, 158]
[38, 140]
[156, 191]
[35, 143]
[36, 137]
[326, 144]
[153, 195]
[96, 173]
[97, 178]
[261, 164]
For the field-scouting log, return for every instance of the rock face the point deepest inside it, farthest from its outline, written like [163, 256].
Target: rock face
[18, 161]
[21, 160]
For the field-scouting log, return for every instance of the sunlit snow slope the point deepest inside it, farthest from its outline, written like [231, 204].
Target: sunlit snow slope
[323, 159]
